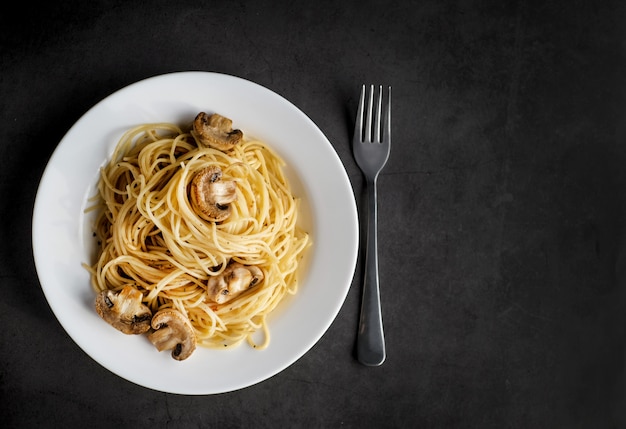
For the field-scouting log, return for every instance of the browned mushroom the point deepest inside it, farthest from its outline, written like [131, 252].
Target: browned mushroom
[173, 331]
[210, 195]
[216, 131]
[124, 310]
[235, 279]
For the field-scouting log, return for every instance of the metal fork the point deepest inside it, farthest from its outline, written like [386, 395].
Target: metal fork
[371, 151]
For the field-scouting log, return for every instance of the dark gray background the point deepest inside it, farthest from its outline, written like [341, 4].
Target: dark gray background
[501, 206]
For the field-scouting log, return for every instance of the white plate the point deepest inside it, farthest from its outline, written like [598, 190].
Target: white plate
[62, 233]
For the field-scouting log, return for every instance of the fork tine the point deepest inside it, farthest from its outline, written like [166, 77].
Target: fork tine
[368, 125]
[387, 131]
[358, 125]
[377, 136]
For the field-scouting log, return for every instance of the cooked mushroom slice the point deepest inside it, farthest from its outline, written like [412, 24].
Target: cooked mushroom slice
[210, 195]
[235, 279]
[124, 310]
[173, 331]
[216, 131]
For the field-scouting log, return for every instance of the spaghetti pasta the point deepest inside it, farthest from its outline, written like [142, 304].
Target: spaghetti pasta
[151, 237]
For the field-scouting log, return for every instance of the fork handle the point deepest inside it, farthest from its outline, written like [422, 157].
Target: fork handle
[370, 337]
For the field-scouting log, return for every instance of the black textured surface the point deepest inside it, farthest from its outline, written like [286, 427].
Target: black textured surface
[501, 207]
